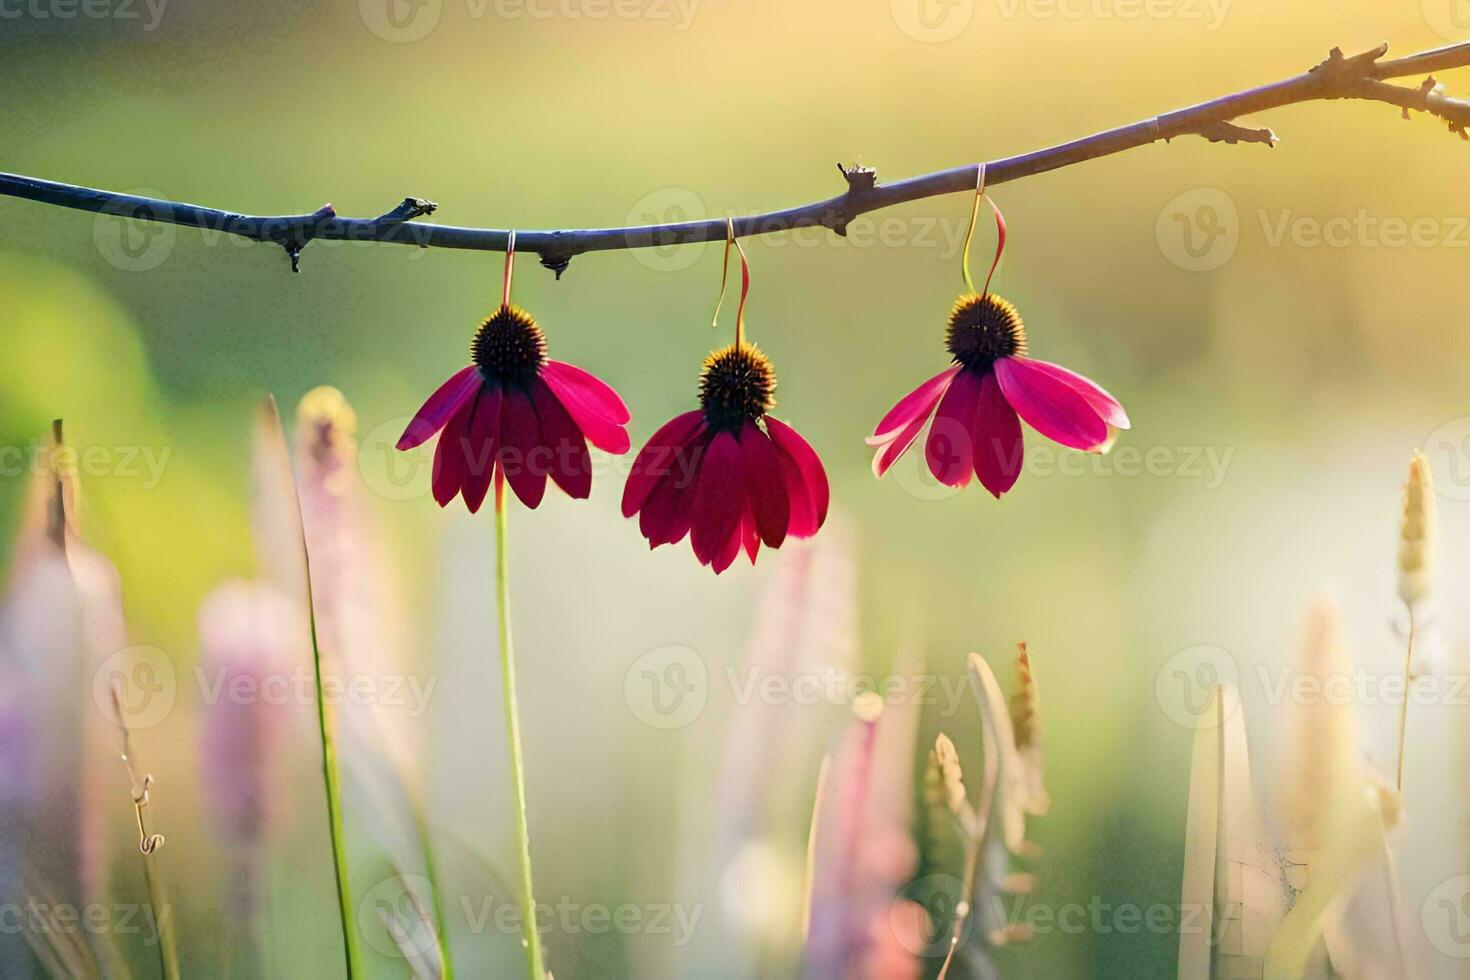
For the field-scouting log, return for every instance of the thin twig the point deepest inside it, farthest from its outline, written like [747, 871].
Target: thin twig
[1338, 77]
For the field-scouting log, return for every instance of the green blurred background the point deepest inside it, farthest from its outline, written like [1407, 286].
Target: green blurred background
[1307, 370]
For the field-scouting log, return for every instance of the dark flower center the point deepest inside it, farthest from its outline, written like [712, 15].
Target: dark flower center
[736, 384]
[509, 347]
[983, 329]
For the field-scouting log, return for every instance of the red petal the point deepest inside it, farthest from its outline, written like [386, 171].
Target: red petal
[480, 447]
[435, 413]
[667, 454]
[949, 448]
[765, 486]
[812, 478]
[750, 537]
[597, 409]
[1050, 405]
[450, 456]
[718, 498]
[521, 450]
[998, 450]
[1103, 403]
[725, 557]
[571, 463]
[598, 394]
[898, 444]
[917, 404]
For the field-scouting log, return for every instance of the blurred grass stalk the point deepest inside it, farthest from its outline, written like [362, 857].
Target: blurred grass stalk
[140, 781]
[273, 472]
[358, 622]
[1416, 552]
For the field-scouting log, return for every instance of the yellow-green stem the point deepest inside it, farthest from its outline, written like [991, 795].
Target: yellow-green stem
[531, 939]
[334, 793]
[1404, 710]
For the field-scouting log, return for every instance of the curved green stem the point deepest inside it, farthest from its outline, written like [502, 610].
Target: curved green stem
[530, 938]
[333, 784]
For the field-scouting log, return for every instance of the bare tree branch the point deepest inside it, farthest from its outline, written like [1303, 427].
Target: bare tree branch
[1360, 76]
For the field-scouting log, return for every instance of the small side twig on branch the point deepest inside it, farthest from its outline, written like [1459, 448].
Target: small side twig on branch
[1361, 76]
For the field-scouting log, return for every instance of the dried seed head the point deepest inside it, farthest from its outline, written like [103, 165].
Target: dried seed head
[944, 780]
[737, 383]
[983, 329]
[1416, 532]
[509, 347]
[326, 426]
[1025, 704]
